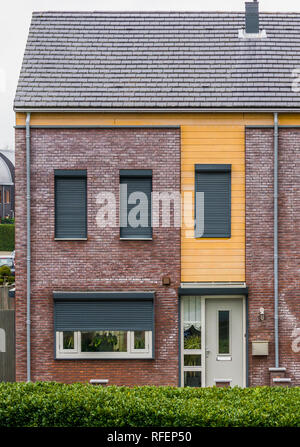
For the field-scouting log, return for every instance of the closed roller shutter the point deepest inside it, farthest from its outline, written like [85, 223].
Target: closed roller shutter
[70, 205]
[104, 313]
[215, 182]
[135, 182]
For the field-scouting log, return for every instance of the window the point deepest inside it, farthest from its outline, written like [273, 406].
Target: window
[135, 204]
[214, 181]
[223, 332]
[70, 204]
[104, 324]
[7, 196]
[191, 341]
[6, 261]
[104, 344]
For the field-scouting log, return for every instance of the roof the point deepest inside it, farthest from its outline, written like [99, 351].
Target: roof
[159, 60]
[9, 153]
[6, 167]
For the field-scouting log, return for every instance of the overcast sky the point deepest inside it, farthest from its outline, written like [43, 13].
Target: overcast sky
[15, 20]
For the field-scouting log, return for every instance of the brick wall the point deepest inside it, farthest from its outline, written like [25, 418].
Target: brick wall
[103, 262]
[259, 249]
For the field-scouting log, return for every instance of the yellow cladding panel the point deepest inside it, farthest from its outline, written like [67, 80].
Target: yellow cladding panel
[215, 259]
[208, 121]
[205, 138]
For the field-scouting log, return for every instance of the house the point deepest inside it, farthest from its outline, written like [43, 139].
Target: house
[113, 109]
[7, 188]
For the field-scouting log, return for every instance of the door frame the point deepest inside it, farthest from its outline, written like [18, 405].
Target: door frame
[204, 299]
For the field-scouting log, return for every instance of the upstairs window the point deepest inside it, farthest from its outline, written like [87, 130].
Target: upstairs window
[70, 204]
[214, 181]
[135, 204]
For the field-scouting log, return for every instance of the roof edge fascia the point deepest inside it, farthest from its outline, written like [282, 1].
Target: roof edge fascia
[156, 110]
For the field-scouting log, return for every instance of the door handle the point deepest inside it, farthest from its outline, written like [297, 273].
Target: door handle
[207, 351]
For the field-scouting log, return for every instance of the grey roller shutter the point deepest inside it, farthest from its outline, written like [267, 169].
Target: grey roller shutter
[70, 205]
[136, 181]
[215, 182]
[85, 314]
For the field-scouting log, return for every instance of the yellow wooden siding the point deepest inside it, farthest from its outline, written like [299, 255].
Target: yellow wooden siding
[201, 259]
[207, 121]
[205, 138]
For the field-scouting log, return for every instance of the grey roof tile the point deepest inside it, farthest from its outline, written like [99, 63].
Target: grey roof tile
[159, 59]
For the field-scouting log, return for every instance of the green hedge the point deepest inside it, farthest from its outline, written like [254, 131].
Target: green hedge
[7, 237]
[44, 404]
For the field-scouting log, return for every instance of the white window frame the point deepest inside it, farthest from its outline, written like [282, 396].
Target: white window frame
[60, 343]
[77, 354]
[148, 339]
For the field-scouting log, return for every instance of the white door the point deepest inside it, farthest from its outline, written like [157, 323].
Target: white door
[224, 341]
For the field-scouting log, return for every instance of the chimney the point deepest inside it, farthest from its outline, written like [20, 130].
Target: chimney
[252, 18]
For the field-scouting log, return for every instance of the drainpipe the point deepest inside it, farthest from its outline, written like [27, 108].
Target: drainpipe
[276, 239]
[3, 210]
[28, 244]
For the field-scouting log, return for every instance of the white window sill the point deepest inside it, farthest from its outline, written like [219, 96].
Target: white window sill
[106, 357]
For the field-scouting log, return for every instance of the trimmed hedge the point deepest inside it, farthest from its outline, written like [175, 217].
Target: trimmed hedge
[7, 237]
[44, 404]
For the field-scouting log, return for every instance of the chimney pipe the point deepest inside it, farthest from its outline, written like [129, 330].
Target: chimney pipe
[252, 18]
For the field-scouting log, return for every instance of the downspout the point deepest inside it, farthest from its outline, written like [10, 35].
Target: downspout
[276, 239]
[3, 209]
[28, 245]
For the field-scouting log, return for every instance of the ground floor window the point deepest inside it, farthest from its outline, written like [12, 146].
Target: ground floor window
[104, 344]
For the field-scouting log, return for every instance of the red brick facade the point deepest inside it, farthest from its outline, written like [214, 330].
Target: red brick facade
[259, 249]
[106, 263]
[103, 262]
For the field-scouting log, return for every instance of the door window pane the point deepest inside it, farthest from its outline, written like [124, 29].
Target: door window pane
[223, 324]
[192, 378]
[192, 322]
[192, 360]
[104, 341]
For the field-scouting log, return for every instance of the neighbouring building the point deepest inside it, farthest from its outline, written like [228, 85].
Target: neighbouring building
[7, 184]
[113, 108]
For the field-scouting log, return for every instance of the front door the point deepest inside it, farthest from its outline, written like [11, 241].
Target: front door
[224, 342]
